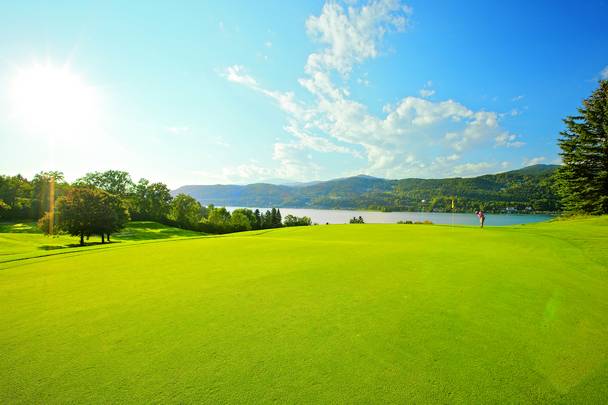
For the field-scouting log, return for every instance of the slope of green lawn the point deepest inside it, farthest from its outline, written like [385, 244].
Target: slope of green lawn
[22, 240]
[325, 314]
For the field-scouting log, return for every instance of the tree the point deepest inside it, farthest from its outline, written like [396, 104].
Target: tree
[218, 220]
[15, 192]
[356, 220]
[257, 223]
[275, 218]
[219, 215]
[40, 191]
[266, 220]
[185, 211]
[80, 212]
[113, 181]
[4, 208]
[582, 181]
[150, 201]
[291, 220]
[240, 222]
[250, 215]
[112, 215]
[44, 222]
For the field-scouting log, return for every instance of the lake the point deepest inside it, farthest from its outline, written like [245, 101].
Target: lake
[375, 217]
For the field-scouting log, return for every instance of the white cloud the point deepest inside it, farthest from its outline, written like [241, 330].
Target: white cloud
[268, 44]
[291, 166]
[508, 140]
[518, 98]
[177, 130]
[604, 73]
[442, 160]
[352, 36]
[316, 143]
[515, 112]
[247, 172]
[473, 169]
[236, 74]
[363, 80]
[391, 142]
[534, 161]
[427, 90]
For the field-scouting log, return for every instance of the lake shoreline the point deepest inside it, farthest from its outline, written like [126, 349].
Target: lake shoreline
[341, 216]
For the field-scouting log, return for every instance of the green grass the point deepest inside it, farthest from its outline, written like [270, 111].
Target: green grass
[325, 314]
[23, 240]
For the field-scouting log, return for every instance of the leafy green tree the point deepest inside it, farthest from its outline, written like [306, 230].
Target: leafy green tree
[4, 208]
[150, 201]
[219, 215]
[185, 211]
[355, 220]
[40, 203]
[113, 181]
[292, 220]
[240, 221]
[204, 211]
[79, 211]
[582, 181]
[15, 192]
[218, 220]
[248, 213]
[112, 215]
[44, 222]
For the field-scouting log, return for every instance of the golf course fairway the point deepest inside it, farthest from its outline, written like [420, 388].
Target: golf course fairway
[321, 314]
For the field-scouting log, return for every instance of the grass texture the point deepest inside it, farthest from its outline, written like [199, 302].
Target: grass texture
[323, 314]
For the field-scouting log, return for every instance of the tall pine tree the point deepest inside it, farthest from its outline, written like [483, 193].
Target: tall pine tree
[582, 181]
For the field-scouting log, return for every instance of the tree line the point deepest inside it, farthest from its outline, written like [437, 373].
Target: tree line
[101, 203]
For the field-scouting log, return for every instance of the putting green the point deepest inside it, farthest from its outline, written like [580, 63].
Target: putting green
[339, 313]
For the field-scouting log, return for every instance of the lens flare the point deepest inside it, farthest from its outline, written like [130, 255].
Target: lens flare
[54, 101]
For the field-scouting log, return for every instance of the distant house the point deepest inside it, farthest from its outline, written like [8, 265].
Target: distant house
[511, 209]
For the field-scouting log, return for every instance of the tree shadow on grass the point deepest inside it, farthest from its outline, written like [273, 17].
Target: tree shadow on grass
[74, 245]
[52, 247]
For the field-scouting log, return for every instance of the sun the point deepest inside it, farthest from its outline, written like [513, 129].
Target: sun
[54, 101]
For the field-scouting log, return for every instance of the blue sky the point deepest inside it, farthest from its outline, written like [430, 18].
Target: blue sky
[216, 92]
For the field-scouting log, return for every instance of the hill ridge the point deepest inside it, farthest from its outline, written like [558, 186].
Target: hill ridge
[527, 189]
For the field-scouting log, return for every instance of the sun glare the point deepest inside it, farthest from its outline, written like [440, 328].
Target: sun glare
[54, 101]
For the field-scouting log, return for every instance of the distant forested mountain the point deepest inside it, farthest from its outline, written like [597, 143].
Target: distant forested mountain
[525, 190]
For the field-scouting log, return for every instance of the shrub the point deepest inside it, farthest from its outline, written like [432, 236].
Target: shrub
[291, 220]
[356, 220]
